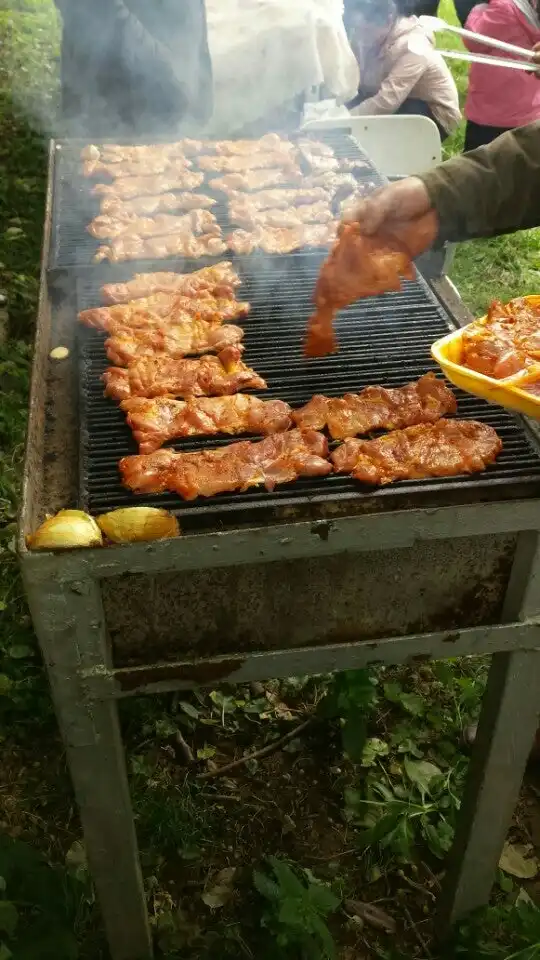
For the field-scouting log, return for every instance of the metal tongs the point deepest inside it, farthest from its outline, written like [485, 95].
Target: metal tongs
[436, 24]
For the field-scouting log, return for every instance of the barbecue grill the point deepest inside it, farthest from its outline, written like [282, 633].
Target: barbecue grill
[319, 575]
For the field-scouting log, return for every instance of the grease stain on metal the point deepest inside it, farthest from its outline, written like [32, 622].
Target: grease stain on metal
[194, 673]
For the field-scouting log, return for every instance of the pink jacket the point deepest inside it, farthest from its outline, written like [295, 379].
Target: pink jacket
[499, 97]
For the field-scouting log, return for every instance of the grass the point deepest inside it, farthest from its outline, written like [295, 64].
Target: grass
[279, 858]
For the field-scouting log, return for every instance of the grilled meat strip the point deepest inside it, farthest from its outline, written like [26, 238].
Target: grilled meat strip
[242, 163]
[197, 221]
[280, 458]
[317, 162]
[293, 217]
[281, 239]
[217, 280]
[258, 180]
[93, 155]
[162, 377]
[358, 266]
[378, 408]
[442, 449]
[159, 248]
[269, 143]
[277, 199]
[156, 421]
[163, 310]
[330, 181]
[177, 340]
[137, 167]
[126, 188]
[316, 147]
[146, 206]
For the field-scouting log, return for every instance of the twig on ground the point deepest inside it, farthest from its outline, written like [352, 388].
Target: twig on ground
[416, 932]
[258, 754]
[436, 880]
[416, 886]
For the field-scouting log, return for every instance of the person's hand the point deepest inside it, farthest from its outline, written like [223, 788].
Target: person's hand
[402, 210]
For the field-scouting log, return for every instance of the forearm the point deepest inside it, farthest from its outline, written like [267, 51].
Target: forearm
[490, 191]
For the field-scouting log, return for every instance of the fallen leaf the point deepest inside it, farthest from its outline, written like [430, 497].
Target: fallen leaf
[222, 891]
[514, 860]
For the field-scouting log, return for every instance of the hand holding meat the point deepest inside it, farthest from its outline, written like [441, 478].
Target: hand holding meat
[358, 266]
[401, 211]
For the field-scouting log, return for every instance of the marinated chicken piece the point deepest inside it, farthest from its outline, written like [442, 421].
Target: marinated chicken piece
[126, 188]
[354, 166]
[156, 421]
[280, 458]
[258, 180]
[359, 266]
[137, 168]
[293, 217]
[163, 310]
[218, 280]
[120, 153]
[316, 147]
[318, 163]
[146, 206]
[506, 342]
[277, 199]
[281, 240]
[196, 221]
[271, 143]
[163, 377]
[159, 248]
[331, 182]
[443, 449]
[243, 164]
[378, 408]
[178, 340]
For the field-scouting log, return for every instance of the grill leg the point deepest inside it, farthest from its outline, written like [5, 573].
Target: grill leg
[506, 729]
[69, 622]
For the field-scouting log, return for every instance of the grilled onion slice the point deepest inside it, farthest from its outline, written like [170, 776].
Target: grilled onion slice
[138, 524]
[67, 530]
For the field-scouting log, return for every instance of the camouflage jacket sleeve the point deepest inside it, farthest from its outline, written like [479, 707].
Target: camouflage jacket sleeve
[489, 191]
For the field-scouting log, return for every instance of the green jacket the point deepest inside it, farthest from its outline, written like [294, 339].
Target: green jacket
[490, 191]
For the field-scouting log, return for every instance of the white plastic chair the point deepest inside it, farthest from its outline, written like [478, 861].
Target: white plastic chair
[398, 145]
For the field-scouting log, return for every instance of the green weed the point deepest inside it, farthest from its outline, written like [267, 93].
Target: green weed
[297, 907]
[42, 908]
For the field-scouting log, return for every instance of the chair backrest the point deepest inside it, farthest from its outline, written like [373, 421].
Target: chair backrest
[397, 145]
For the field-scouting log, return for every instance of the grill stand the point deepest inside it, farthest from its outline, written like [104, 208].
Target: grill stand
[65, 600]
[65, 594]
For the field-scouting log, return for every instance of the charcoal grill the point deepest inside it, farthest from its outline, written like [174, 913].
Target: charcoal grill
[317, 576]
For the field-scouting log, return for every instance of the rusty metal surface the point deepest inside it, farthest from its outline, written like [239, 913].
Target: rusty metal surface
[106, 682]
[441, 585]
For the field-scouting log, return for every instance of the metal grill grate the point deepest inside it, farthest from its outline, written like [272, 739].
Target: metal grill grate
[74, 207]
[383, 340]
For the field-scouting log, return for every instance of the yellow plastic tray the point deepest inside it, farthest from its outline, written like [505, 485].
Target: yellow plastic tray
[507, 393]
